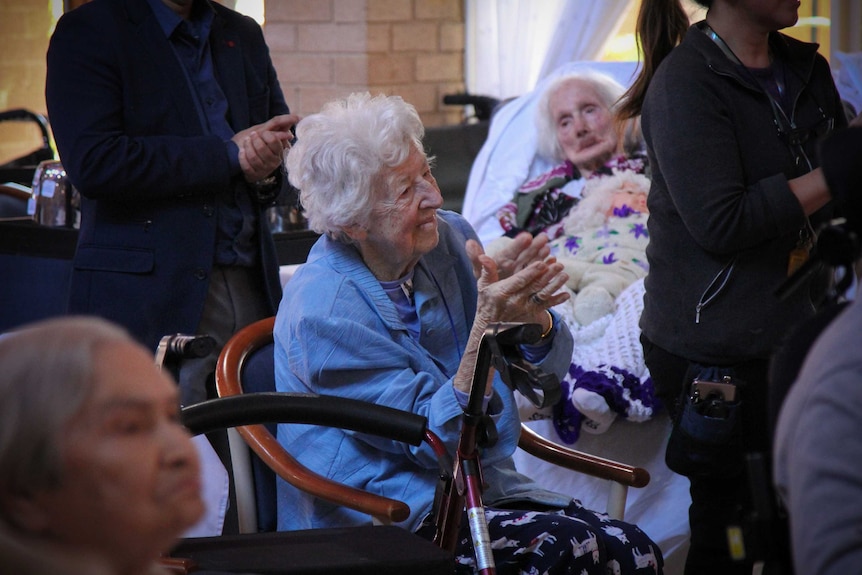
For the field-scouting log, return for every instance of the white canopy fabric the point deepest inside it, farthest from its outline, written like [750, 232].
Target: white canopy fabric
[585, 28]
[512, 44]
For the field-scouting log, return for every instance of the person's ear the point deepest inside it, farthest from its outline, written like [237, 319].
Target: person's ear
[26, 511]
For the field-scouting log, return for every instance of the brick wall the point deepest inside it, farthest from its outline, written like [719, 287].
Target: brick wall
[328, 48]
[25, 26]
[322, 49]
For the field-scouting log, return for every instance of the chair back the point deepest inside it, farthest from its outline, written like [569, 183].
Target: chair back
[13, 202]
[258, 376]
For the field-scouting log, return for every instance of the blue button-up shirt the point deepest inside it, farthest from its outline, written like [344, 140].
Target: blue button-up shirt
[190, 41]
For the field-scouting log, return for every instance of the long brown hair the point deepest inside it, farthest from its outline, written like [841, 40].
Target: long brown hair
[661, 25]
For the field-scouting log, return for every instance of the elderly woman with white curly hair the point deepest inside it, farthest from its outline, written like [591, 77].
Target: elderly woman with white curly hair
[577, 131]
[390, 308]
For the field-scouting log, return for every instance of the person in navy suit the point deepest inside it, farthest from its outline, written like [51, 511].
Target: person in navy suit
[170, 122]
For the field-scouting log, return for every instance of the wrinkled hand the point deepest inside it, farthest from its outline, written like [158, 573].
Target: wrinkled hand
[262, 147]
[522, 297]
[514, 256]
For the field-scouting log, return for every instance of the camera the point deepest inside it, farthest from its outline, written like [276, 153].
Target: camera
[712, 398]
[724, 390]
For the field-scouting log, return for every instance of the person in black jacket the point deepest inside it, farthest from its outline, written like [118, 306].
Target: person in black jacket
[731, 111]
[170, 122]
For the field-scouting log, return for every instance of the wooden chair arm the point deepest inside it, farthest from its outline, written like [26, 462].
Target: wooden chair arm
[14, 192]
[178, 565]
[547, 450]
[267, 447]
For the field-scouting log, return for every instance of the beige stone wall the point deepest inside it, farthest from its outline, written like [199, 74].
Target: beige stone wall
[25, 26]
[328, 48]
[322, 49]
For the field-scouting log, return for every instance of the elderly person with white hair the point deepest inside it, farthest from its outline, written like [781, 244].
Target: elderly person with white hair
[388, 309]
[97, 474]
[576, 130]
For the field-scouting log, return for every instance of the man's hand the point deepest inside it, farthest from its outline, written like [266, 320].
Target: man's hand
[262, 147]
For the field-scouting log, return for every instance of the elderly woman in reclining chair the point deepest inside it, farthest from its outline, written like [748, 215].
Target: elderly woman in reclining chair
[577, 134]
[388, 309]
[609, 407]
[598, 162]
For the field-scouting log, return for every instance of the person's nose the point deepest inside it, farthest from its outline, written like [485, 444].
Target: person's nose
[178, 450]
[580, 126]
[431, 195]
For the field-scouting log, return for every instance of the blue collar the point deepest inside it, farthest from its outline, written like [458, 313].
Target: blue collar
[168, 20]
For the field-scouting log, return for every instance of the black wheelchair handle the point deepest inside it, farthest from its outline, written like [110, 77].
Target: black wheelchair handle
[20, 114]
[189, 346]
[281, 407]
[483, 105]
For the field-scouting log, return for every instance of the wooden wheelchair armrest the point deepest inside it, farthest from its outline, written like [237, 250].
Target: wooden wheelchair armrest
[267, 447]
[547, 450]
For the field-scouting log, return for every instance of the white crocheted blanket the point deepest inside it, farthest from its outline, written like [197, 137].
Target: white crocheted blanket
[613, 340]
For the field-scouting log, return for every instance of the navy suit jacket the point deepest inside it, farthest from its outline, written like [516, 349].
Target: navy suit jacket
[131, 141]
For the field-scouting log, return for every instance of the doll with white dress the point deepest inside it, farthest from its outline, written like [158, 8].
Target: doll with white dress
[603, 247]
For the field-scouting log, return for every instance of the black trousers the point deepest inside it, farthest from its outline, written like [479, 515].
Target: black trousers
[720, 504]
[235, 299]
